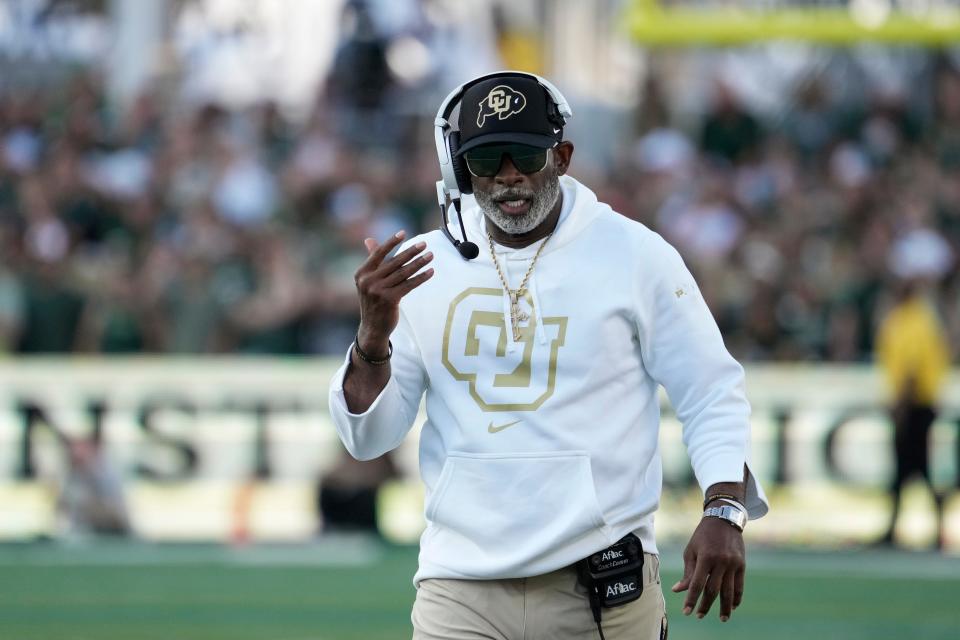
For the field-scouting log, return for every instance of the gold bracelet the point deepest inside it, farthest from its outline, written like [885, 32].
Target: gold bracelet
[717, 496]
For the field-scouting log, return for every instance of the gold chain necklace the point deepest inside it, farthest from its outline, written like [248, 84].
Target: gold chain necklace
[516, 316]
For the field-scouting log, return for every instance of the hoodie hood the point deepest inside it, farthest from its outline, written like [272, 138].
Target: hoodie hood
[579, 209]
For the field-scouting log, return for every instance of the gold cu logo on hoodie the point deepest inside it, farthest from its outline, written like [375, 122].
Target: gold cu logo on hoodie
[477, 350]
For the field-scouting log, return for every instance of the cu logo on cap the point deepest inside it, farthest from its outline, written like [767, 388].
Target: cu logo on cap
[503, 102]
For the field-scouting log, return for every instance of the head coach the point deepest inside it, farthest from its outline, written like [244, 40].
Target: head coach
[540, 326]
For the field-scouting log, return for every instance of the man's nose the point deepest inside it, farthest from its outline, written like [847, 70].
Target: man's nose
[508, 175]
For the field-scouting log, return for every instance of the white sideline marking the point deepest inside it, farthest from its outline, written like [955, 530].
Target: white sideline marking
[361, 552]
[342, 552]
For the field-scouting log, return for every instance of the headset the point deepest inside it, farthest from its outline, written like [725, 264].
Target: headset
[455, 177]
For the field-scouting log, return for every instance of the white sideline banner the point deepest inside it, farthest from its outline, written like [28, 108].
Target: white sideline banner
[185, 433]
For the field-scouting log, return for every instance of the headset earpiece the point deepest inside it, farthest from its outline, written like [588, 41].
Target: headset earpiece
[459, 164]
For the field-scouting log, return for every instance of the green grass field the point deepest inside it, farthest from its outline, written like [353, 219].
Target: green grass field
[355, 589]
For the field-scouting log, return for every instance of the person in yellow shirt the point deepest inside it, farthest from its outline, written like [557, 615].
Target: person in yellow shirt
[913, 352]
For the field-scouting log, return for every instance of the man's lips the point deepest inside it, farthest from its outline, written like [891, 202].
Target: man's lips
[516, 206]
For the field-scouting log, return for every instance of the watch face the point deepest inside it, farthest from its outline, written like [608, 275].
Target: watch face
[734, 516]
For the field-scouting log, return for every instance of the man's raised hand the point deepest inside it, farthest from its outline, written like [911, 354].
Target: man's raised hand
[381, 282]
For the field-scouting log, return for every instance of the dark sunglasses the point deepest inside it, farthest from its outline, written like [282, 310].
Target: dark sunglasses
[485, 161]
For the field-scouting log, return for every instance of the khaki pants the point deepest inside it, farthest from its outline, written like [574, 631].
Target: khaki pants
[553, 606]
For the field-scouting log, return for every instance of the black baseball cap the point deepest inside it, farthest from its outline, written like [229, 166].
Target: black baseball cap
[508, 109]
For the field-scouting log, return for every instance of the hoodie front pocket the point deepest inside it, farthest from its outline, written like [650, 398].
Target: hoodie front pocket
[496, 499]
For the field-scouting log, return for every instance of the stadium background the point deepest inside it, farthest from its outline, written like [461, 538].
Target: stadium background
[184, 188]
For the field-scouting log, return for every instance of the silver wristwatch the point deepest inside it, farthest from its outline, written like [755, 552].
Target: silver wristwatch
[730, 513]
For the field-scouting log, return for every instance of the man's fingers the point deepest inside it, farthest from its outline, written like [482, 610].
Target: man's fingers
[377, 254]
[726, 596]
[697, 582]
[738, 580]
[407, 270]
[710, 591]
[682, 585]
[689, 562]
[392, 264]
[412, 283]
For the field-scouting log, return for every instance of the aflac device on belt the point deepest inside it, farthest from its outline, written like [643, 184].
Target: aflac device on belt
[613, 576]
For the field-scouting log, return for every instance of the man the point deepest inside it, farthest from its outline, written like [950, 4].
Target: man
[913, 353]
[91, 500]
[541, 361]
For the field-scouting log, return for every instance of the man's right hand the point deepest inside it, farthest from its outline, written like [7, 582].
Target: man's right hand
[381, 282]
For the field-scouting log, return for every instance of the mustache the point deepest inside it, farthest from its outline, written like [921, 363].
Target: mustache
[513, 193]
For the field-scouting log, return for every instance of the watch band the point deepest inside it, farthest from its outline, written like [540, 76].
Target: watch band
[728, 513]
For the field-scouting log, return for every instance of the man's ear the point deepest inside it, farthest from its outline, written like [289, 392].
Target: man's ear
[563, 153]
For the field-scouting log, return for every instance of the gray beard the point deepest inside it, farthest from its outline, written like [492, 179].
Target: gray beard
[541, 204]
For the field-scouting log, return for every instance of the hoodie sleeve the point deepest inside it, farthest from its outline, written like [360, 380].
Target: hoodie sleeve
[683, 350]
[384, 424]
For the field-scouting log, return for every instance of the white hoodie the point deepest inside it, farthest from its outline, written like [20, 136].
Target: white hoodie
[537, 453]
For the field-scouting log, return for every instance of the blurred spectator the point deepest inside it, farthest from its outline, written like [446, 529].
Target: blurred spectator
[360, 79]
[913, 353]
[91, 498]
[245, 194]
[810, 124]
[269, 319]
[729, 131]
[347, 497]
[113, 320]
[12, 305]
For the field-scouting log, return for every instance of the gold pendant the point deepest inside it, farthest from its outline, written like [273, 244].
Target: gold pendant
[515, 321]
[516, 315]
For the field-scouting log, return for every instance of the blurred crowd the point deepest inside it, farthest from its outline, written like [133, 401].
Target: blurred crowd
[801, 229]
[196, 232]
[174, 229]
